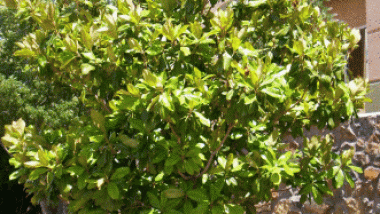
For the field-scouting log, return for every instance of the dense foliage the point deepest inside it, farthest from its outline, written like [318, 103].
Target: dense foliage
[24, 95]
[187, 104]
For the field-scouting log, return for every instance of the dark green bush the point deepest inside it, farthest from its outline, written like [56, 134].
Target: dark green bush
[187, 106]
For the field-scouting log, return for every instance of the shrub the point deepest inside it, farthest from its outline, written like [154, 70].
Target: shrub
[187, 104]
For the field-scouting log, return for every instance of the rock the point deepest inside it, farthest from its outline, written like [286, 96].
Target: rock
[315, 208]
[263, 207]
[293, 145]
[371, 173]
[372, 148]
[275, 194]
[346, 145]
[345, 133]
[360, 144]
[376, 163]
[353, 206]
[361, 158]
[339, 208]
[282, 207]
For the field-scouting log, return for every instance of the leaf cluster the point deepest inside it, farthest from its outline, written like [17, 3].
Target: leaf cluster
[187, 103]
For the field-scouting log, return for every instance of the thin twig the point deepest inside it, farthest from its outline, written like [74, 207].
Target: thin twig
[216, 151]
[183, 176]
[175, 134]
[290, 108]
[103, 104]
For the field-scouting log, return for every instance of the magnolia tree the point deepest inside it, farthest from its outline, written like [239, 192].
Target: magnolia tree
[187, 104]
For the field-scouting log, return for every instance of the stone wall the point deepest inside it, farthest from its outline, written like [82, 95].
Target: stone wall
[362, 133]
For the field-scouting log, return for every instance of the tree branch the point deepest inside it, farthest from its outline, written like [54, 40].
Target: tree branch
[216, 151]
[175, 134]
[184, 176]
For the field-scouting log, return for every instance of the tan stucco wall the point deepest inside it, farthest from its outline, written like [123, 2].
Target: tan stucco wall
[373, 17]
[373, 54]
[373, 40]
[353, 12]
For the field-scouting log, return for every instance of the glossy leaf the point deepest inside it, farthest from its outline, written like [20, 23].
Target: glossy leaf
[113, 190]
[173, 193]
[120, 173]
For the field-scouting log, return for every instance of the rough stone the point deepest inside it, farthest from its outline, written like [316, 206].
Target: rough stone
[282, 207]
[371, 173]
[346, 133]
[315, 208]
[372, 148]
[353, 206]
[360, 144]
[347, 145]
[361, 158]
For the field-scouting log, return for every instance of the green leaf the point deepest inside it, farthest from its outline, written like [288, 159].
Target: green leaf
[15, 163]
[133, 90]
[316, 195]
[11, 4]
[8, 141]
[197, 195]
[89, 55]
[229, 94]
[256, 3]
[235, 209]
[306, 189]
[226, 61]
[276, 178]
[32, 164]
[154, 49]
[339, 179]
[42, 156]
[128, 141]
[173, 193]
[82, 181]
[298, 47]
[16, 174]
[222, 162]
[80, 202]
[113, 190]
[19, 126]
[137, 124]
[186, 51]
[159, 177]
[349, 179]
[274, 92]
[99, 183]
[120, 173]
[35, 174]
[356, 169]
[153, 200]
[86, 68]
[230, 159]
[172, 160]
[25, 52]
[188, 207]
[75, 170]
[58, 171]
[236, 43]
[188, 167]
[167, 101]
[216, 188]
[202, 119]
[98, 120]
[218, 209]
